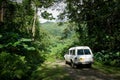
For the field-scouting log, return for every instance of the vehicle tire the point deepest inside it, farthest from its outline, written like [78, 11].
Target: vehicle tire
[66, 62]
[78, 66]
[89, 65]
[73, 65]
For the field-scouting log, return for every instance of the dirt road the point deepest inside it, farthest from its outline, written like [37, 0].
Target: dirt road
[84, 73]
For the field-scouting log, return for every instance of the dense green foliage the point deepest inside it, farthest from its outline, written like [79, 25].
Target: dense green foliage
[108, 58]
[24, 42]
[98, 24]
[21, 52]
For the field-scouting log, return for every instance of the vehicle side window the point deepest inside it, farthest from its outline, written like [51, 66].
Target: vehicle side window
[73, 52]
[80, 52]
[86, 51]
[70, 52]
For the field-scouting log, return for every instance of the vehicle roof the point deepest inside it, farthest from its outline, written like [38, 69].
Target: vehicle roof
[79, 47]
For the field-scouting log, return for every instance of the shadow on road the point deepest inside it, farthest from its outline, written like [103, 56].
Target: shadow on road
[83, 72]
[60, 71]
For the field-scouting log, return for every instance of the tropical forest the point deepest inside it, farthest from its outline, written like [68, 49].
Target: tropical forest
[31, 50]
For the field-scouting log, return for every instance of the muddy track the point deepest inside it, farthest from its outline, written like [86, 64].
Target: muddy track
[84, 73]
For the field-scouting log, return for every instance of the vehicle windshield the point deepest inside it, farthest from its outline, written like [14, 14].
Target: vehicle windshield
[86, 51]
[83, 52]
[80, 52]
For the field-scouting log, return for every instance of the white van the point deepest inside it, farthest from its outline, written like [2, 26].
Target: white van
[79, 55]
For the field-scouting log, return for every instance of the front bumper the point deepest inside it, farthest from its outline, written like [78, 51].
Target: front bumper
[87, 62]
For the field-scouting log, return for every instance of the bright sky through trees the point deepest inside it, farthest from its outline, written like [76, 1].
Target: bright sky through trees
[55, 10]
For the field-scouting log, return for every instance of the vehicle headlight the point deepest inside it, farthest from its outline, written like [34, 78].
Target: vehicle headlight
[81, 59]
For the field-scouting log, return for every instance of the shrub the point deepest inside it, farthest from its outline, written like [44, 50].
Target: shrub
[108, 58]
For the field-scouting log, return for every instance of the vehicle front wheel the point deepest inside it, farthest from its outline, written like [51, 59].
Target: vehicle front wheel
[66, 62]
[73, 65]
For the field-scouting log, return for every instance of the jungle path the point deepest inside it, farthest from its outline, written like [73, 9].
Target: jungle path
[58, 70]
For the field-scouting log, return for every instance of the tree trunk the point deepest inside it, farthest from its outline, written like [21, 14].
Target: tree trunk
[2, 11]
[34, 23]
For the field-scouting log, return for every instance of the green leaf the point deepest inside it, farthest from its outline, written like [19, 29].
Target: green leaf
[1, 36]
[1, 46]
[16, 43]
[19, 73]
[118, 53]
[31, 48]
[26, 40]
